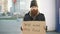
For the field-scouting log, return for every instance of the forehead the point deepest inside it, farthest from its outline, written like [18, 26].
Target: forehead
[34, 7]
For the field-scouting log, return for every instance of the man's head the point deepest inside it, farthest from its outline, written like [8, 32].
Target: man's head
[34, 8]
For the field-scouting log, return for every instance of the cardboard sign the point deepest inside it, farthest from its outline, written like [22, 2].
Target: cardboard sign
[33, 27]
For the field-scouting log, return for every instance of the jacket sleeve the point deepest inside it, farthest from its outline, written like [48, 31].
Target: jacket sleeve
[42, 17]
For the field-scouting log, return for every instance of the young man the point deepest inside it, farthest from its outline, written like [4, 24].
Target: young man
[33, 14]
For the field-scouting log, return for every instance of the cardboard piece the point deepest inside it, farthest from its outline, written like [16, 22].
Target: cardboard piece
[33, 27]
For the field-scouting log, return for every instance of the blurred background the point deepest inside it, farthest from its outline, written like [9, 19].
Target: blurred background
[13, 11]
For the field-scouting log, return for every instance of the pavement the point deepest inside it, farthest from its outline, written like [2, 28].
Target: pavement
[13, 27]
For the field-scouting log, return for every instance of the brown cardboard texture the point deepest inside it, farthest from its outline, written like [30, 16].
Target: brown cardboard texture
[33, 27]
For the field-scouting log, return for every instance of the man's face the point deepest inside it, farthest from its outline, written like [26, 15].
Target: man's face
[34, 10]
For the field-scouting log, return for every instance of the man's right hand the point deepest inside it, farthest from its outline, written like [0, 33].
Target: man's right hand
[21, 29]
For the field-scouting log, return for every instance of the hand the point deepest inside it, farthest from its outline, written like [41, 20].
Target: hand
[21, 29]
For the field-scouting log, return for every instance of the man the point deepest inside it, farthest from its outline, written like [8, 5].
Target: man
[33, 14]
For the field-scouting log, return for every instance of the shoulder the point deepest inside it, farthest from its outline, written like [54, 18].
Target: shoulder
[42, 17]
[41, 14]
[26, 17]
[27, 14]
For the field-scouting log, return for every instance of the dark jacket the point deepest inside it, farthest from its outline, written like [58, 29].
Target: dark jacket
[39, 17]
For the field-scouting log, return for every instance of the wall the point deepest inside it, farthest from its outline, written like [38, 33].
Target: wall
[48, 8]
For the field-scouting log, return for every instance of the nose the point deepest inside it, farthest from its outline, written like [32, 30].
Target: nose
[34, 8]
